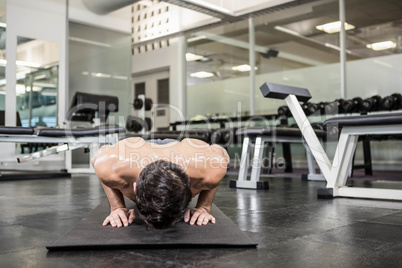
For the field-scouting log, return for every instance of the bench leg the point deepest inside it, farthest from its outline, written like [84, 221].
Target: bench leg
[242, 181]
[287, 155]
[312, 174]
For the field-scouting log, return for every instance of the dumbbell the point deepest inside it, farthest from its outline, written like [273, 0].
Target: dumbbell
[227, 136]
[335, 107]
[136, 124]
[371, 104]
[317, 125]
[392, 102]
[352, 106]
[284, 111]
[312, 108]
[216, 137]
[333, 132]
[321, 106]
[138, 104]
[205, 135]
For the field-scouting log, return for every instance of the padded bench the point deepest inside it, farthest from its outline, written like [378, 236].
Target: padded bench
[336, 172]
[70, 138]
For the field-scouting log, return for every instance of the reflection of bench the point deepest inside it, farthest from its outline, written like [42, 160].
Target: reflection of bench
[336, 172]
[84, 106]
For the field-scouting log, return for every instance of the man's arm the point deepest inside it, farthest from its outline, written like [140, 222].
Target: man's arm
[212, 177]
[119, 214]
[201, 213]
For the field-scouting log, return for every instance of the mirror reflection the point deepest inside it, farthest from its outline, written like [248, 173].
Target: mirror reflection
[37, 80]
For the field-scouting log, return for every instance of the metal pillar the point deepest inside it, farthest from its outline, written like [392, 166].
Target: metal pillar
[252, 63]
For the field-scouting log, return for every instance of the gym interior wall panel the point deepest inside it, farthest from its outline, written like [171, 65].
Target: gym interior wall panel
[372, 76]
[168, 58]
[99, 63]
[367, 77]
[232, 95]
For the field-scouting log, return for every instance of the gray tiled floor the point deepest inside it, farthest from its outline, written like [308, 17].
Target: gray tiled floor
[293, 228]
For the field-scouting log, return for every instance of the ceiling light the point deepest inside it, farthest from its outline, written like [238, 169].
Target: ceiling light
[243, 68]
[193, 57]
[202, 74]
[381, 45]
[334, 27]
[101, 75]
[3, 25]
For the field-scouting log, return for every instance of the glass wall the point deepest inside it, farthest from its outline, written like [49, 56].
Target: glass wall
[100, 63]
[294, 46]
[37, 82]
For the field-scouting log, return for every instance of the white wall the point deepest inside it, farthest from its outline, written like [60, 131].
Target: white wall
[172, 59]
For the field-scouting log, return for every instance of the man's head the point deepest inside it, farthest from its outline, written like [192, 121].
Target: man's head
[162, 194]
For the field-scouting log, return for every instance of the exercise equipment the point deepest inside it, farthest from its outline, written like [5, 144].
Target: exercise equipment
[393, 102]
[137, 124]
[284, 111]
[371, 104]
[336, 172]
[310, 108]
[139, 103]
[352, 106]
[89, 234]
[224, 137]
[70, 138]
[257, 137]
[321, 107]
[84, 107]
[335, 107]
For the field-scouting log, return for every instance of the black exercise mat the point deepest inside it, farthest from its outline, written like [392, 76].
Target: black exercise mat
[90, 234]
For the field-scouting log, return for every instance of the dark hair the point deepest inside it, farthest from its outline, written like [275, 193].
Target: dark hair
[163, 194]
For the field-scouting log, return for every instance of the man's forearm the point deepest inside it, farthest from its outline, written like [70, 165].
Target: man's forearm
[205, 199]
[115, 197]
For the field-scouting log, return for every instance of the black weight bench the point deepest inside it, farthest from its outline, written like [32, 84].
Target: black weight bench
[69, 138]
[256, 137]
[89, 109]
[336, 172]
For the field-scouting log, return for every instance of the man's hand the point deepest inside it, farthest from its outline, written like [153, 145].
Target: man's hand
[199, 215]
[120, 217]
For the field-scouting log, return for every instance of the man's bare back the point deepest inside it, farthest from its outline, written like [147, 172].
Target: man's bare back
[118, 167]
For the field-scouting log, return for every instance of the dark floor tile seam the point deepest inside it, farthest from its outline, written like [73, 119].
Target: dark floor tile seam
[314, 238]
[354, 237]
[382, 222]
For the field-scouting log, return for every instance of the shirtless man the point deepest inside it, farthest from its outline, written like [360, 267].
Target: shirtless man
[161, 177]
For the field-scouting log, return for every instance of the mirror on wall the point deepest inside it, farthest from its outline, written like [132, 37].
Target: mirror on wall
[37, 82]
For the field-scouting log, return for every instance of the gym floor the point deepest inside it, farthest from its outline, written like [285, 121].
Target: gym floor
[291, 226]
